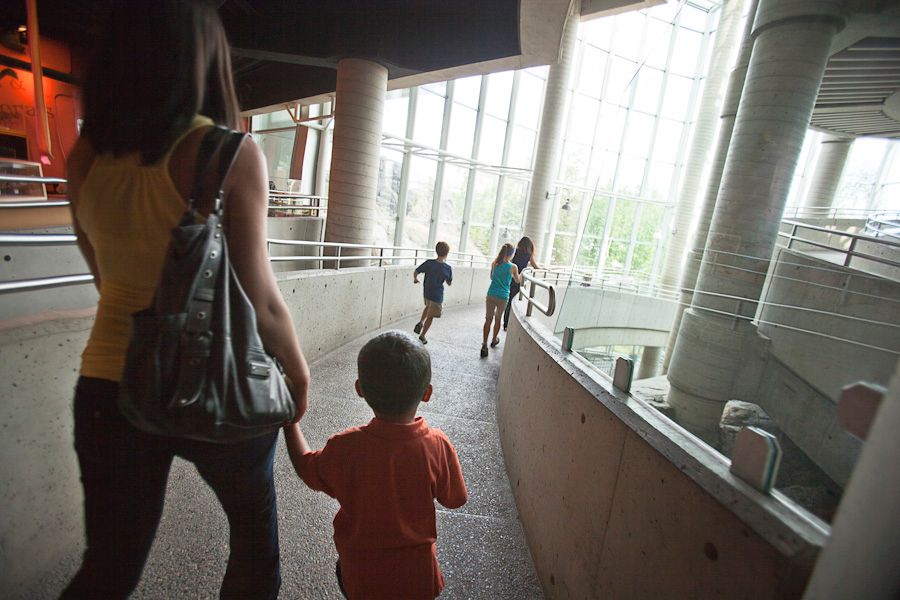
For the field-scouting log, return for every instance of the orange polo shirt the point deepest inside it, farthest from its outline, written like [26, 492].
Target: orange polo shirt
[386, 477]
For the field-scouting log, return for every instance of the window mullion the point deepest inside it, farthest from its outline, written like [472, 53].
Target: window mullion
[470, 185]
[404, 168]
[439, 174]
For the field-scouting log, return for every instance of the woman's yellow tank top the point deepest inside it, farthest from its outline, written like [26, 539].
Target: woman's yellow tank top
[126, 210]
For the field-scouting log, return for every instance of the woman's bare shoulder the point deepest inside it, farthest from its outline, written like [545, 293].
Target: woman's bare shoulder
[79, 160]
[78, 164]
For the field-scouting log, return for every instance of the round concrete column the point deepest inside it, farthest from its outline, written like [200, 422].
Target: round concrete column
[649, 365]
[707, 205]
[827, 176]
[356, 145]
[546, 160]
[704, 132]
[792, 44]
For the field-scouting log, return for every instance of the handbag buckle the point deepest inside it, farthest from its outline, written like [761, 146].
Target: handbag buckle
[260, 369]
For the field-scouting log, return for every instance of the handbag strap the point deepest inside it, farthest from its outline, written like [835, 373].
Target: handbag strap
[215, 261]
[224, 142]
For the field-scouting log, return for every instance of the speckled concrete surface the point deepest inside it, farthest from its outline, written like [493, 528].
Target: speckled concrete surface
[481, 546]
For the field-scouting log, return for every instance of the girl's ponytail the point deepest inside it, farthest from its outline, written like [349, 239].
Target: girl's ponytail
[506, 250]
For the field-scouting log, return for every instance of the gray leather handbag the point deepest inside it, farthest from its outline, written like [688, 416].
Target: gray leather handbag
[196, 367]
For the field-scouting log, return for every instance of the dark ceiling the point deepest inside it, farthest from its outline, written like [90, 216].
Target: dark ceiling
[285, 50]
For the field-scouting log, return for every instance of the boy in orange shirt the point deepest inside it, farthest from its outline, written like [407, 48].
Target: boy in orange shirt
[386, 476]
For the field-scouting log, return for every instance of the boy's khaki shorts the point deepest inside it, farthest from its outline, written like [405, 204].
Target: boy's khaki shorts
[433, 309]
[494, 305]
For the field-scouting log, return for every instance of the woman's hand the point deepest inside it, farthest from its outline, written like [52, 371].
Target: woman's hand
[246, 208]
[299, 388]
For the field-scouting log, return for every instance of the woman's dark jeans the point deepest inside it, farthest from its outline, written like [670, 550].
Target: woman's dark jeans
[513, 292]
[124, 473]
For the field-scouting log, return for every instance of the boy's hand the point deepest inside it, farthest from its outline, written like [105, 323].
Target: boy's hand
[295, 440]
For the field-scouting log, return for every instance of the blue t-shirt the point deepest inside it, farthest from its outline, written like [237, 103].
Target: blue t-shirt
[436, 273]
[501, 276]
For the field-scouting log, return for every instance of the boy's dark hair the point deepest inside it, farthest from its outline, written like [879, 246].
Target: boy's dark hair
[442, 248]
[131, 106]
[394, 370]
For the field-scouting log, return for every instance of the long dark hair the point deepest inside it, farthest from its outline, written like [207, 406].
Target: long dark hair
[525, 245]
[506, 251]
[156, 65]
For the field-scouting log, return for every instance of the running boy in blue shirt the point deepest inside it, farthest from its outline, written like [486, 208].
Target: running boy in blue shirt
[436, 271]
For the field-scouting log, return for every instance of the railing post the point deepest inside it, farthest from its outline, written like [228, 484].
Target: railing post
[381, 257]
[793, 233]
[337, 263]
[530, 298]
[850, 251]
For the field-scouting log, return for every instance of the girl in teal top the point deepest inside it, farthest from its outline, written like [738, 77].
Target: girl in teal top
[503, 272]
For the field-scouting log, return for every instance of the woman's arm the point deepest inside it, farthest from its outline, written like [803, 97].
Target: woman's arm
[515, 274]
[246, 209]
[533, 263]
[77, 166]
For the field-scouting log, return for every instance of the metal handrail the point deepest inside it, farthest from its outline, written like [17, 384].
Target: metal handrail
[43, 283]
[280, 194]
[464, 257]
[825, 212]
[615, 282]
[66, 239]
[549, 308]
[878, 223]
[34, 204]
[37, 239]
[837, 232]
[30, 179]
[849, 253]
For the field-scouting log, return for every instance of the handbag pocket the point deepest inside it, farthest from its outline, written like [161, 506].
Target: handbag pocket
[151, 368]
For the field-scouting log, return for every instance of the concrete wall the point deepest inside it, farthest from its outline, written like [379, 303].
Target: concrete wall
[595, 307]
[840, 303]
[797, 376]
[618, 502]
[34, 262]
[40, 490]
[295, 228]
[604, 316]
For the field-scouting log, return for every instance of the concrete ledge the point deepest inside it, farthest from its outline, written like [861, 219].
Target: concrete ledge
[617, 501]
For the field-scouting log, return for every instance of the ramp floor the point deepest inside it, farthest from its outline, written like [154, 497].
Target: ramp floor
[481, 546]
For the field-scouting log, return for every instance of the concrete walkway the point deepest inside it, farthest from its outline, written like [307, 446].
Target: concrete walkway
[481, 547]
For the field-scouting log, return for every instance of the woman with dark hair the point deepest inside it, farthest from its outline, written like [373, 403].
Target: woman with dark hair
[523, 257]
[503, 272]
[130, 175]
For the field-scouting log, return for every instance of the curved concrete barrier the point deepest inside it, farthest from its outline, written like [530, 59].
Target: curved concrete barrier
[619, 502]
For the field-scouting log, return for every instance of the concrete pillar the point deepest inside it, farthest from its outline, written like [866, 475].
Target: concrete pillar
[707, 205]
[546, 160]
[792, 40]
[324, 153]
[704, 132]
[649, 365]
[860, 558]
[356, 145]
[829, 166]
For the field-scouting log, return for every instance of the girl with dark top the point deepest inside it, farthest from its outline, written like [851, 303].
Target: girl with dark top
[130, 175]
[523, 257]
[503, 272]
